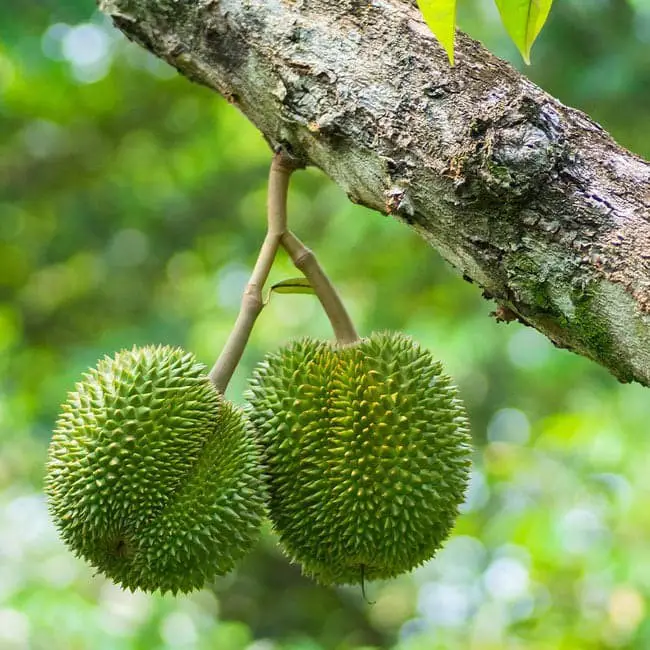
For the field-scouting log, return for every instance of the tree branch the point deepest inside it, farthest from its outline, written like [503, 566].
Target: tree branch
[528, 198]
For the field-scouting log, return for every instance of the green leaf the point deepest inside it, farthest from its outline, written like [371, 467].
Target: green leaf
[440, 15]
[524, 20]
[292, 285]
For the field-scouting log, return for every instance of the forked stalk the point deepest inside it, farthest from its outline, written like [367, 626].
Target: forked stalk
[252, 301]
[303, 258]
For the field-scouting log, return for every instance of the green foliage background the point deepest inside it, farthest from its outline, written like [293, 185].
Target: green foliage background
[131, 209]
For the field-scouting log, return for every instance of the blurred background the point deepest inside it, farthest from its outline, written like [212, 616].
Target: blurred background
[131, 210]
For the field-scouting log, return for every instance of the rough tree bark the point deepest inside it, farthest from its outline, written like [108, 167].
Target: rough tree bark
[528, 198]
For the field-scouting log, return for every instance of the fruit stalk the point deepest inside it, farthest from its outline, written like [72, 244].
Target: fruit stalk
[305, 260]
[252, 302]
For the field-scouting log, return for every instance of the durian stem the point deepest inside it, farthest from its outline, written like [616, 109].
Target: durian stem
[305, 260]
[252, 302]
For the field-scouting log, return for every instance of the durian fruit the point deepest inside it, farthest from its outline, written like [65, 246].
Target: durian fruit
[367, 451]
[152, 476]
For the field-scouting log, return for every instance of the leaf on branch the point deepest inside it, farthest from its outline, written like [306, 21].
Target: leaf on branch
[524, 20]
[292, 285]
[440, 16]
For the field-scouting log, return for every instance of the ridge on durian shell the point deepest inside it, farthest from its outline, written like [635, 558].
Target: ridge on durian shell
[367, 451]
[152, 476]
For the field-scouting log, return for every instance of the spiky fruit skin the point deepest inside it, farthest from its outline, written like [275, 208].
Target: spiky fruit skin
[367, 451]
[152, 476]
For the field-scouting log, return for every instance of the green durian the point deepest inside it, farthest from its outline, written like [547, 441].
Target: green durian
[367, 451]
[152, 476]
